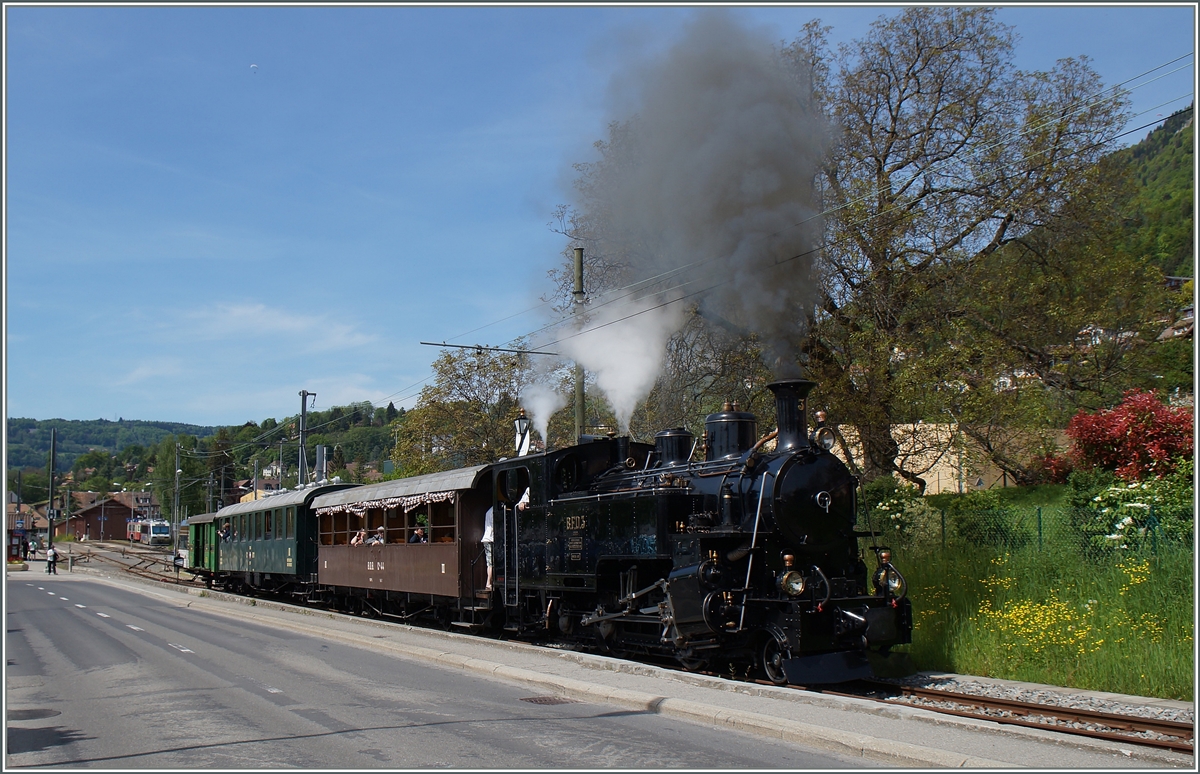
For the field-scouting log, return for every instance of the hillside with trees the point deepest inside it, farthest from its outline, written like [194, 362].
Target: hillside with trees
[1159, 213]
[29, 439]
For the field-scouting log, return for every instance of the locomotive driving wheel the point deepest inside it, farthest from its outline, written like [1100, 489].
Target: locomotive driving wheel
[771, 655]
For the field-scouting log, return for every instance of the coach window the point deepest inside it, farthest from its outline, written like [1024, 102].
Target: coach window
[269, 530]
[291, 523]
[258, 526]
[441, 521]
[324, 528]
[341, 528]
[394, 523]
[375, 519]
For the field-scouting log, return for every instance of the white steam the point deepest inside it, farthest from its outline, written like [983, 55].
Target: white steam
[624, 346]
[540, 403]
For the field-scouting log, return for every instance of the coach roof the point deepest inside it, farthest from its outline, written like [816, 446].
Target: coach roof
[446, 481]
[293, 497]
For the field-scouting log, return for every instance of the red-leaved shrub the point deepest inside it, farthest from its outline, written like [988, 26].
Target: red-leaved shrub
[1052, 469]
[1140, 437]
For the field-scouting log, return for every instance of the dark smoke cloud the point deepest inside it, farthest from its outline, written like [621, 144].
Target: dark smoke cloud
[715, 177]
[726, 152]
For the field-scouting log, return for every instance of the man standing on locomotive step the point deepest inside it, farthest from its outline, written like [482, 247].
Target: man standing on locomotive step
[487, 540]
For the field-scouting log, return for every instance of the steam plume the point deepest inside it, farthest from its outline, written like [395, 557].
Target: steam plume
[712, 186]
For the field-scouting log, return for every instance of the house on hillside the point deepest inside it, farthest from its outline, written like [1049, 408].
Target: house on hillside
[1183, 327]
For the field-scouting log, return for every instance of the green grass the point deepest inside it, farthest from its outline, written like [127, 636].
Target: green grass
[1120, 624]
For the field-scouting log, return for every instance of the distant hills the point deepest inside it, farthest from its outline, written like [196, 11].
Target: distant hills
[29, 439]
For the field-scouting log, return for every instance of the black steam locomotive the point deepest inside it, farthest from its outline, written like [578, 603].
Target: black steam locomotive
[748, 558]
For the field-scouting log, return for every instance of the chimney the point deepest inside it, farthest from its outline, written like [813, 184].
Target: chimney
[791, 402]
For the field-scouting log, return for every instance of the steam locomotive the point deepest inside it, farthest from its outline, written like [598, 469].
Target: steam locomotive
[748, 558]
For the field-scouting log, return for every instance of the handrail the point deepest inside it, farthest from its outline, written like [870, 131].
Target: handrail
[762, 488]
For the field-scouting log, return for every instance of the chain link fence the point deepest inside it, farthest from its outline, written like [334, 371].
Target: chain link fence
[1094, 533]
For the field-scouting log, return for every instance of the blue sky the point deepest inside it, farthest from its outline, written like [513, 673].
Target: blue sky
[188, 238]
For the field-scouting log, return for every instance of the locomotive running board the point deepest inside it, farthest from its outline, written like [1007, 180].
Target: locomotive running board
[838, 667]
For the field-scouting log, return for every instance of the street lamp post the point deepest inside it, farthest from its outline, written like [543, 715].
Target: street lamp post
[522, 426]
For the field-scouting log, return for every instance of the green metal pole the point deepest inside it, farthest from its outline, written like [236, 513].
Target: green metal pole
[1039, 528]
[943, 529]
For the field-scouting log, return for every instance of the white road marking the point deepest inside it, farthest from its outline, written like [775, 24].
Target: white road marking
[103, 615]
[79, 605]
[28, 584]
[51, 593]
[180, 648]
[64, 599]
[41, 588]
[135, 628]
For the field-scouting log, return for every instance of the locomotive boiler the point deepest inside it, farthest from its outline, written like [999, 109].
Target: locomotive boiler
[748, 557]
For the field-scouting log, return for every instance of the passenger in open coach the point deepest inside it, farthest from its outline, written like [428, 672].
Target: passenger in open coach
[377, 538]
[418, 536]
[359, 538]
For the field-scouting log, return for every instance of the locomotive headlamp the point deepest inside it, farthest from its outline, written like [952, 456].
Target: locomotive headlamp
[887, 575]
[824, 438]
[791, 583]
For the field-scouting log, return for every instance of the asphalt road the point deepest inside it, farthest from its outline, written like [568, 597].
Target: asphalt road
[102, 677]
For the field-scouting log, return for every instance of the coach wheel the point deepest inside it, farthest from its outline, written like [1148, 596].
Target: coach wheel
[772, 654]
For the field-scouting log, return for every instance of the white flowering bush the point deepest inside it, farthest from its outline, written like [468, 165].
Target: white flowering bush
[1131, 516]
[900, 514]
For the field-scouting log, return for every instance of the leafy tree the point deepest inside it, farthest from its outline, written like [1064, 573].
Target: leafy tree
[464, 417]
[192, 479]
[34, 485]
[221, 468]
[945, 156]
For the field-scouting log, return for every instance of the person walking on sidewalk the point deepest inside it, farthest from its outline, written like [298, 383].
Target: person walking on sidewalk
[52, 560]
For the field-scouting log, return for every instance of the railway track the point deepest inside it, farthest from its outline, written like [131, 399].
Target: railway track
[1133, 729]
[135, 560]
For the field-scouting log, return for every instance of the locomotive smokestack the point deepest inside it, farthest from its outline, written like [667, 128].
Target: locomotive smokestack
[791, 409]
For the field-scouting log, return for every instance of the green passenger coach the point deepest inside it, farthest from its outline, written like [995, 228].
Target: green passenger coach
[202, 547]
[269, 544]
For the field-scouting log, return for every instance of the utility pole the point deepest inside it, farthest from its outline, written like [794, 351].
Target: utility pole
[302, 474]
[175, 528]
[281, 463]
[208, 491]
[50, 492]
[255, 478]
[576, 309]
